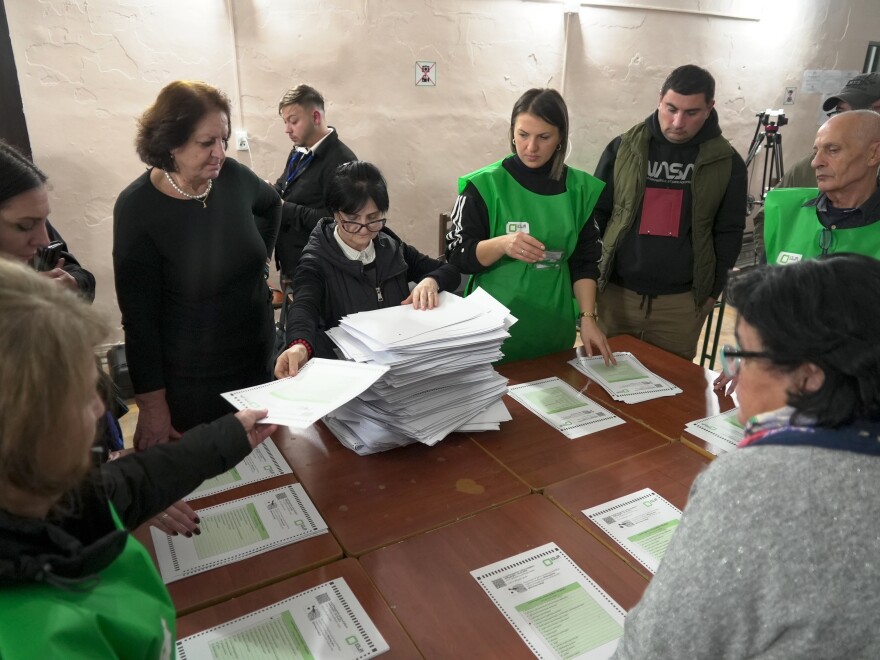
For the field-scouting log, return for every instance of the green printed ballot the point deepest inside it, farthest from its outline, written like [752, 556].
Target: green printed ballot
[275, 639]
[619, 373]
[571, 621]
[656, 540]
[553, 400]
[229, 530]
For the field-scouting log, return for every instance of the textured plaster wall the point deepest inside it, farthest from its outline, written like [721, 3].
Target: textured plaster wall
[88, 68]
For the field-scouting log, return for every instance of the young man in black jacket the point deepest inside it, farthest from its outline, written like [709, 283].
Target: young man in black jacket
[672, 216]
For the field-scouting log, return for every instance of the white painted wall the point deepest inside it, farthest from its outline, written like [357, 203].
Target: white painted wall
[88, 69]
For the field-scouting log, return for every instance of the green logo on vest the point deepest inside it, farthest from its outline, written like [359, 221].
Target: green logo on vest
[788, 258]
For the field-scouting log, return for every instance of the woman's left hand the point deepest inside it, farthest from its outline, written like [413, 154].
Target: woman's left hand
[179, 518]
[425, 295]
[592, 336]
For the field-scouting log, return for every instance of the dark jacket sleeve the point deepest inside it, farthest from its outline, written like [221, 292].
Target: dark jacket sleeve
[84, 279]
[470, 225]
[142, 484]
[267, 214]
[584, 262]
[730, 222]
[308, 308]
[420, 266]
[605, 172]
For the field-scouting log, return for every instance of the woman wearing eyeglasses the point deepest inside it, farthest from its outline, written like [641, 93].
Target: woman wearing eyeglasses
[354, 263]
[777, 552]
[191, 240]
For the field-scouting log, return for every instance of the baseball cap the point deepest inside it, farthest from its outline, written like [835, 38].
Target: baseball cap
[860, 93]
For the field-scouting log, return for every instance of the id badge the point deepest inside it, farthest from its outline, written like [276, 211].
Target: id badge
[514, 226]
[661, 212]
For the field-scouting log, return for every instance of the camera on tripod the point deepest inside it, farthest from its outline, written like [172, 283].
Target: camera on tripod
[768, 137]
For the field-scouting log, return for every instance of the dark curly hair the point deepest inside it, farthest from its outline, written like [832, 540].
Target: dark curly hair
[824, 312]
[171, 120]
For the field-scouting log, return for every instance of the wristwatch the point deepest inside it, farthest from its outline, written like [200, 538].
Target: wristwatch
[590, 315]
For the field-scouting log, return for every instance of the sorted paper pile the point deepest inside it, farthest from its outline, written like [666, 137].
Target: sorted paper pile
[628, 381]
[440, 377]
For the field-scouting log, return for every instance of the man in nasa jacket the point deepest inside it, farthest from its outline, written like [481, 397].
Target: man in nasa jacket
[671, 215]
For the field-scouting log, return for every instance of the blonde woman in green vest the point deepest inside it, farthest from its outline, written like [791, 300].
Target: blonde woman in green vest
[74, 584]
[521, 227]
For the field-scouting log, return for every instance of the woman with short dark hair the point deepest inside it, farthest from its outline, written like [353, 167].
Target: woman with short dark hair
[776, 554]
[354, 263]
[522, 228]
[191, 239]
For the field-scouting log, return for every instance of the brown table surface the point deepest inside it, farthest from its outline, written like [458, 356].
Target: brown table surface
[666, 415]
[541, 455]
[400, 644]
[371, 501]
[215, 585]
[427, 582]
[669, 471]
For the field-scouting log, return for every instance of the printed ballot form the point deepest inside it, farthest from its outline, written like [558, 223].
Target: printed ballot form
[722, 431]
[237, 530]
[320, 387]
[642, 524]
[558, 611]
[324, 622]
[563, 407]
[628, 380]
[264, 462]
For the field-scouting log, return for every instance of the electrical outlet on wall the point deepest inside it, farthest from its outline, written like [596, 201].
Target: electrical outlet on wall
[241, 141]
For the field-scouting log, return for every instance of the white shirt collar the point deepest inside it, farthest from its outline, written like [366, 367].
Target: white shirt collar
[368, 256]
[315, 146]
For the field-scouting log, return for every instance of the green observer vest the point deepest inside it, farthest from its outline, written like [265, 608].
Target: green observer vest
[128, 614]
[708, 186]
[540, 298]
[792, 231]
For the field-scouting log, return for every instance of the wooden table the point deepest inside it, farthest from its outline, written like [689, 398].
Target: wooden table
[371, 501]
[426, 579]
[541, 455]
[215, 585]
[700, 446]
[349, 569]
[669, 471]
[666, 415]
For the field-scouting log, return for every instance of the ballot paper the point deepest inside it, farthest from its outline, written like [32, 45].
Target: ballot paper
[325, 622]
[558, 611]
[439, 373]
[642, 523]
[264, 462]
[319, 387]
[237, 530]
[722, 431]
[563, 407]
[628, 381]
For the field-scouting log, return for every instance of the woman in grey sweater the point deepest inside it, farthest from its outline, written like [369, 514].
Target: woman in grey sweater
[778, 551]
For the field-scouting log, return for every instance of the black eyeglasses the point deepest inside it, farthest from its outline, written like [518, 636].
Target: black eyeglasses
[355, 227]
[732, 357]
[836, 111]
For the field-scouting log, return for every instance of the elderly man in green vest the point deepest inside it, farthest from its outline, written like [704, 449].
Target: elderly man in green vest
[842, 213]
[672, 216]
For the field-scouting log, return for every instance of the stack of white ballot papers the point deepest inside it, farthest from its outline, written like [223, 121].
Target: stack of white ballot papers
[439, 372]
[628, 381]
[722, 431]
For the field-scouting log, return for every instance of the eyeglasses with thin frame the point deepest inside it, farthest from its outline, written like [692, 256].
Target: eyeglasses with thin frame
[355, 227]
[732, 357]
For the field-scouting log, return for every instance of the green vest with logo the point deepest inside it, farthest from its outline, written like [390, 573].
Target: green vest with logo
[792, 231]
[538, 295]
[126, 614]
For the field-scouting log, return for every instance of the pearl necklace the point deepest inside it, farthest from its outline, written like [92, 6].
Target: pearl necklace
[203, 198]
